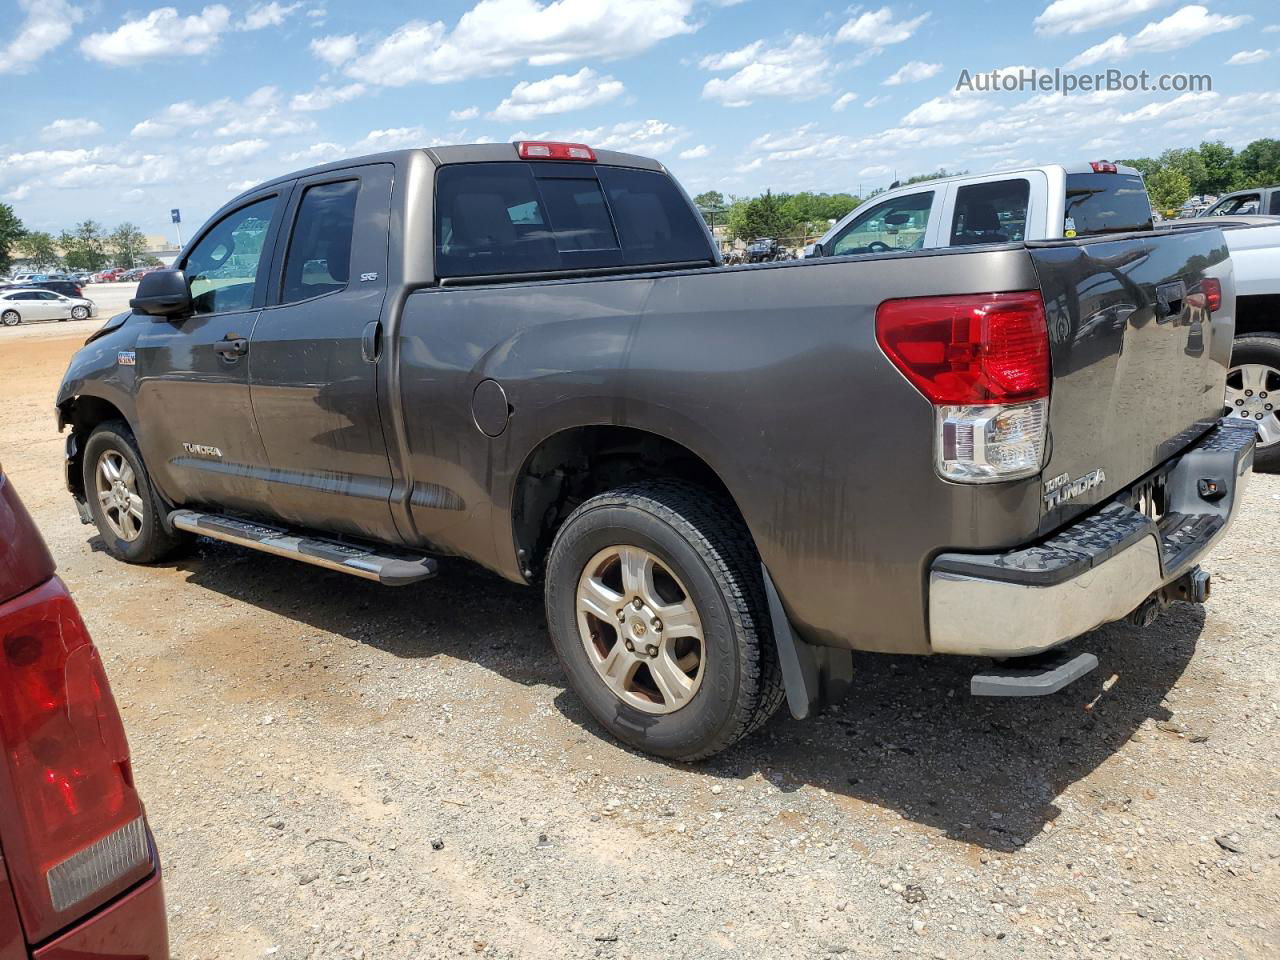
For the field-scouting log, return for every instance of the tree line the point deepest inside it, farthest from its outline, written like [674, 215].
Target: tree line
[1212, 168]
[86, 248]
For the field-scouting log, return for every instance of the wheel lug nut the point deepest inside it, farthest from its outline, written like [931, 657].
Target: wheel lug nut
[637, 603]
[651, 650]
[1268, 407]
[1239, 403]
[1258, 416]
[656, 624]
[1248, 393]
[629, 645]
[622, 614]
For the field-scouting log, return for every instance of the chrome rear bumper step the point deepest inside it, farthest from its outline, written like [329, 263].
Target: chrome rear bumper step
[358, 560]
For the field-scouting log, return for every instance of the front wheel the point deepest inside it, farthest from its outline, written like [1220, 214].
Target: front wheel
[124, 503]
[1253, 393]
[79, 313]
[10, 318]
[655, 601]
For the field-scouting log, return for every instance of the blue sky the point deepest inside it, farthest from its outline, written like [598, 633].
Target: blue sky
[121, 111]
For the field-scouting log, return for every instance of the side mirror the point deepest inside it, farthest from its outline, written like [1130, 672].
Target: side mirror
[163, 294]
[898, 218]
[815, 249]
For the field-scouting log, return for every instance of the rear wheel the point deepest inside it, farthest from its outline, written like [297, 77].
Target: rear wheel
[10, 318]
[125, 505]
[1253, 393]
[655, 602]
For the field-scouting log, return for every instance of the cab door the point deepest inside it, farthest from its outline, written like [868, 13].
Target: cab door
[316, 354]
[195, 420]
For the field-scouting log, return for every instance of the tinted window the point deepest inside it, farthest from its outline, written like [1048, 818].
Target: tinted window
[499, 218]
[1106, 203]
[990, 212]
[1275, 202]
[222, 269]
[897, 224]
[319, 259]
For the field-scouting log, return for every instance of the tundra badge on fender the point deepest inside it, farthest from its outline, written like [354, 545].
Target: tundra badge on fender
[201, 450]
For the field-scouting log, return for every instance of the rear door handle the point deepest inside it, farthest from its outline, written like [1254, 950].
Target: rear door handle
[231, 349]
[371, 342]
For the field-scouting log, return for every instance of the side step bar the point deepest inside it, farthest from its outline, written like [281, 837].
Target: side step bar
[359, 561]
[1036, 676]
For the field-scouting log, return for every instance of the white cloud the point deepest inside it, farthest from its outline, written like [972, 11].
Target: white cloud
[877, 28]
[161, 33]
[335, 50]
[316, 153]
[750, 165]
[1245, 57]
[696, 153]
[1081, 16]
[878, 170]
[876, 101]
[648, 137]
[1271, 28]
[71, 128]
[793, 72]
[322, 98]
[20, 192]
[222, 154]
[466, 113]
[843, 101]
[497, 35]
[1180, 29]
[271, 14]
[392, 138]
[558, 94]
[240, 186]
[258, 114]
[913, 71]
[46, 26]
[945, 109]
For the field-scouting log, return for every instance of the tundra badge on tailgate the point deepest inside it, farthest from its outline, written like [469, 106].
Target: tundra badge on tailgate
[1062, 488]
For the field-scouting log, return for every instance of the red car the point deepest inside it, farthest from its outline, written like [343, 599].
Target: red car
[79, 874]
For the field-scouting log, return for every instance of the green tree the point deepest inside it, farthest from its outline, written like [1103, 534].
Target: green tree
[40, 250]
[127, 244]
[1144, 165]
[1221, 168]
[814, 211]
[85, 247]
[760, 216]
[1168, 188]
[1259, 164]
[710, 204]
[936, 175]
[11, 234]
[1187, 161]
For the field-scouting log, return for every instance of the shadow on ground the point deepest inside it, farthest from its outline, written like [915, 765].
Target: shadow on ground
[909, 739]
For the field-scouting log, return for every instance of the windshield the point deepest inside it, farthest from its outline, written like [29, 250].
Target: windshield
[1105, 203]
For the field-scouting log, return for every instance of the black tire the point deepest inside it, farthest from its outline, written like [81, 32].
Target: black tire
[1263, 349]
[10, 318]
[704, 543]
[153, 542]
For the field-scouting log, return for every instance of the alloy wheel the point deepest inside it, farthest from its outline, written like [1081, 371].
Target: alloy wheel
[117, 490]
[1253, 393]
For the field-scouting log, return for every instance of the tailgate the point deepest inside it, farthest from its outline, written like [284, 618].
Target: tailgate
[1139, 361]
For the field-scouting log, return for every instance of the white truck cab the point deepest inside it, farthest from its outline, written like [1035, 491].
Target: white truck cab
[1037, 203]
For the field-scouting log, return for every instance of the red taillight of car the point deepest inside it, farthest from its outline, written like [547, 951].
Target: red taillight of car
[983, 362]
[81, 836]
[991, 348]
[546, 150]
[1103, 166]
[1211, 287]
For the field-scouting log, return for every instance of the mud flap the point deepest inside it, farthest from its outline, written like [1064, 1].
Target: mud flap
[812, 676]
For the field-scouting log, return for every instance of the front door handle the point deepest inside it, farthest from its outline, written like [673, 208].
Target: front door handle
[232, 348]
[371, 342]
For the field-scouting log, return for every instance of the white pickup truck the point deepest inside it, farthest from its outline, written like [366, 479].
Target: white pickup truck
[1056, 201]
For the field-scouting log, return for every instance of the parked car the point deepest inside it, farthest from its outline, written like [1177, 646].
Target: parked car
[27, 303]
[68, 288]
[1255, 200]
[81, 875]
[763, 249]
[725, 479]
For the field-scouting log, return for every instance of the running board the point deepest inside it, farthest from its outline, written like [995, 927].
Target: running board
[1036, 676]
[359, 561]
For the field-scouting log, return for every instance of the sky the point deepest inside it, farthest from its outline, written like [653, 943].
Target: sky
[122, 111]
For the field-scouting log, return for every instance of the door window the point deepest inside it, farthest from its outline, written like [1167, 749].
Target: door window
[897, 224]
[993, 212]
[222, 269]
[1275, 202]
[319, 259]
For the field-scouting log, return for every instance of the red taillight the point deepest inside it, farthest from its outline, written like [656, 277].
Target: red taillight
[981, 349]
[1211, 287]
[68, 766]
[1103, 166]
[546, 150]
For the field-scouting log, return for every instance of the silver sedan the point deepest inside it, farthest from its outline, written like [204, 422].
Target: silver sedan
[17, 305]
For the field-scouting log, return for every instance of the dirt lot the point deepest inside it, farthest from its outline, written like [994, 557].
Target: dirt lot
[335, 769]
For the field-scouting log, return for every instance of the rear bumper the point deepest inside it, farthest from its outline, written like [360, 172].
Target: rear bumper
[131, 928]
[1095, 571]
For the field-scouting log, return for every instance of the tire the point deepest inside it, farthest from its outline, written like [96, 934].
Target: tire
[701, 556]
[10, 318]
[126, 535]
[1256, 358]
[79, 313]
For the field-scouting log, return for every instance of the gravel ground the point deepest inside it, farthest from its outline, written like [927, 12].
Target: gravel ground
[335, 769]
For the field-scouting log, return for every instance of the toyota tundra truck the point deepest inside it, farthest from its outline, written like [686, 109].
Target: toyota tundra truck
[725, 479]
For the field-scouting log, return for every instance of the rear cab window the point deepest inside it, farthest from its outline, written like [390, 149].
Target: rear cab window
[1105, 203]
[495, 219]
